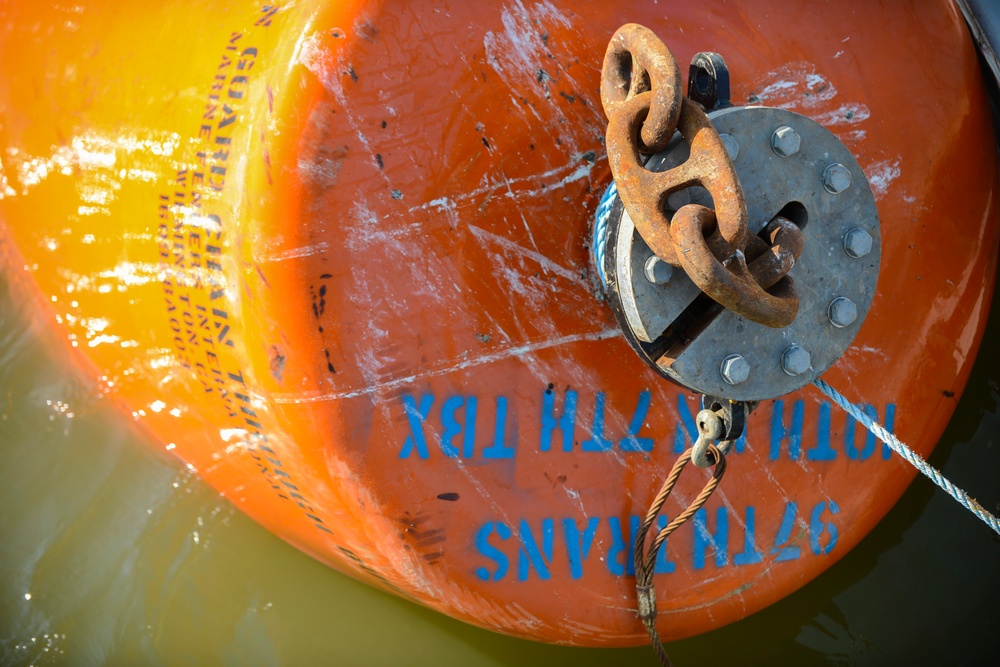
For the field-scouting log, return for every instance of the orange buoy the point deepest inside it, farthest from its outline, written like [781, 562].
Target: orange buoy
[335, 257]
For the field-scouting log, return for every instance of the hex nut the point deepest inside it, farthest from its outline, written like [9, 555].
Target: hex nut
[836, 178]
[842, 312]
[735, 369]
[732, 146]
[857, 243]
[795, 360]
[785, 141]
[657, 271]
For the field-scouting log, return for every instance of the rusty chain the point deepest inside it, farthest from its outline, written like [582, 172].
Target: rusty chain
[642, 98]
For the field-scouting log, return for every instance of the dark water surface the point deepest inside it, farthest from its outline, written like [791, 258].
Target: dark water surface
[112, 552]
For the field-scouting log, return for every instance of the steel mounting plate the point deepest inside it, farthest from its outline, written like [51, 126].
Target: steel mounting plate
[678, 339]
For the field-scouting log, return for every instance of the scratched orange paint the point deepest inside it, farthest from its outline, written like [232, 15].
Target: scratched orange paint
[335, 257]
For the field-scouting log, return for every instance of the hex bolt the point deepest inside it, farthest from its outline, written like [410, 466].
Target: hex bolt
[657, 271]
[842, 312]
[735, 369]
[795, 360]
[732, 146]
[857, 243]
[836, 178]
[785, 141]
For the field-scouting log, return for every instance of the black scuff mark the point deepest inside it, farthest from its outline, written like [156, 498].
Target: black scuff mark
[277, 363]
[544, 78]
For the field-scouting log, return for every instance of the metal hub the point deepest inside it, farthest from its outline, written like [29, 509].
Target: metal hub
[788, 166]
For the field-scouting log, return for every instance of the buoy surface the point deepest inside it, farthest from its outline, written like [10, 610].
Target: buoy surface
[336, 259]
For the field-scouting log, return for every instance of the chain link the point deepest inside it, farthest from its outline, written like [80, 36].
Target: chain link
[641, 94]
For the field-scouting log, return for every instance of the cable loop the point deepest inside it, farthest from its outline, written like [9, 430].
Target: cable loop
[644, 559]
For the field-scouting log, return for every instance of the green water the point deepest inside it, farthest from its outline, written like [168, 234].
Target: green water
[111, 552]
